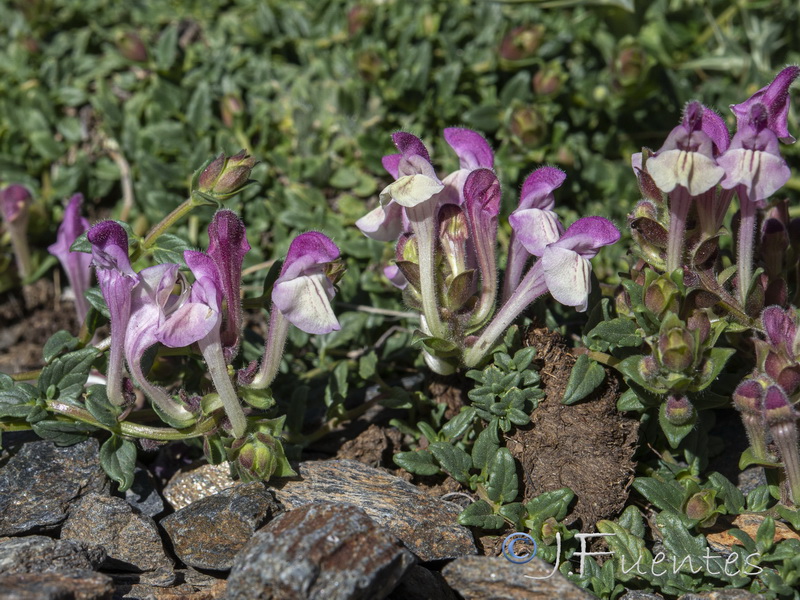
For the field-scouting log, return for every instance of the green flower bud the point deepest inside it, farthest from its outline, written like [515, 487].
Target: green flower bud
[225, 176]
[679, 411]
[255, 456]
[522, 42]
[702, 507]
[662, 296]
[131, 46]
[528, 126]
[676, 345]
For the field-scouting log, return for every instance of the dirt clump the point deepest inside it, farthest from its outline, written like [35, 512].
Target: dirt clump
[588, 446]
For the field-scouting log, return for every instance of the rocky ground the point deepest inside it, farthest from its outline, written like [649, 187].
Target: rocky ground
[341, 530]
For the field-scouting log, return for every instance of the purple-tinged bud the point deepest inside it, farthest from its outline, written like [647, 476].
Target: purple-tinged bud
[357, 18]
[781, 418]
[548, 80]
[648, 368]
[522, 42]
[629, 66]
[77, 265]
[255, 456]
[225, 176]
[702, 507]
[699, 321]
[15, 201]
[662, 296]
[131, 46]
[679, 411]
[676, 347]
[748, 399]
[647, 186]
[231, 107]
[528, 126]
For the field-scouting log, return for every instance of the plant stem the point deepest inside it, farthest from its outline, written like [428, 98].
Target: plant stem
[167, 222]
[424, 224]
[273, 349]
[679, 201]
[218, 369]
[747, 228]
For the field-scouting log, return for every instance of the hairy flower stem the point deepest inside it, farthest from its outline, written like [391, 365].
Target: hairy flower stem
[680, 200]
[517, 257]
[747, 229]
[22, 255]
[786, 439]
[185, 208]
[531, 287]
[424, 224]
[159, 397]
[273, 350]
[218, 369]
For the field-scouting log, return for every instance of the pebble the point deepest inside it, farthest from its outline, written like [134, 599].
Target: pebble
[319, 551]
[208, 533]
[487, 577]
[41, 554]
[426, 525]
[131, 539]
[41, 481]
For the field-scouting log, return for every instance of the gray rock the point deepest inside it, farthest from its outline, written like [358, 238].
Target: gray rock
[208, 533]
[188, 585]
[426, 525]
[726, 594]
[74, 584]
[637, 595]
[131, 539]
[40, 554]
[421, 584]
[143, 494]
[485, 577]
[193, 484]
[320, 551]
[40, 481]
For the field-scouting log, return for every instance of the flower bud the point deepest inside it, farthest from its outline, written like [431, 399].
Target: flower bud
[748, 400]
[225, 176]
[676, 347]
[629, 66]
[648, 368]
[548, 80]
[130, 46]
[702, 507]
[522, 42]
[255, 456]
[699, 321]
[662, 296]
[528, 126]
[15, 201]
[679, 411]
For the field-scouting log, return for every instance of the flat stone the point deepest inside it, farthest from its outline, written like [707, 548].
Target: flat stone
[190, 486]
[486, 577]
[208, 533]
[74, 584]
[426, 525]
[187, 584]
[143, 494]
[40, 482]
[40, 554]
[726, 594]
[320, 551]
[637, 595]
[421, 584]
[131, 539]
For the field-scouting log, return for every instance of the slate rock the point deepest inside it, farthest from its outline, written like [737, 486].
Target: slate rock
[143, 494]
[188, 585]
[208, 533]
[41, 480]
[191, 485]
[638, 595]
[421, 584]
[726, 594]
[320, 551]
[131, 539]
[40, 554]
[485, 577]
[426, 525]
[74, 584]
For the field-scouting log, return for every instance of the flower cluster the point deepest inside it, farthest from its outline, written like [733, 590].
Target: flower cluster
[157, 305]
[446, 253]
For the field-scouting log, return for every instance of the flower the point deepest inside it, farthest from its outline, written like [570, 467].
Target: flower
[775, 97]
[225, 176]
[303, 290]
[77, 265]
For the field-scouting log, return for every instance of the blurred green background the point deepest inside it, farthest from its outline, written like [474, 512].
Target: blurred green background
[123, 100]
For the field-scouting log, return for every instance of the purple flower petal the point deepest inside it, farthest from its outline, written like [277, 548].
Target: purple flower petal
[14, 201]
[472, 149]
[714, 127]
[307, 250]
[776, 98]
[537, 191]
[587, 235]
[391, 162]
[780, 326]
[110, 247]
[410, 145]
[77, 265]
[395, 276]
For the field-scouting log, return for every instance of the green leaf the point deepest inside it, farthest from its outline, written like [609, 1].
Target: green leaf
[758, 499]
[585, 377]
[367, 365]
[502, 485]
[717, 357]
[523, 358]
[513, 513]
[95, 298]
[16, 399]
[166, 50]
[118, 459]
[169, 248]
[616, 333]
[480, 514]
[628, 548]
[58, 343]
[68, 374]
[765, 535]
[792, 516]
[458, 425]
[63, 433]
[485, 446]
[550, 504]
[98, 405]
[629, 401]
[453, 460]
[419, 462]
[677, 539]
[729, 493]
[666, 495]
